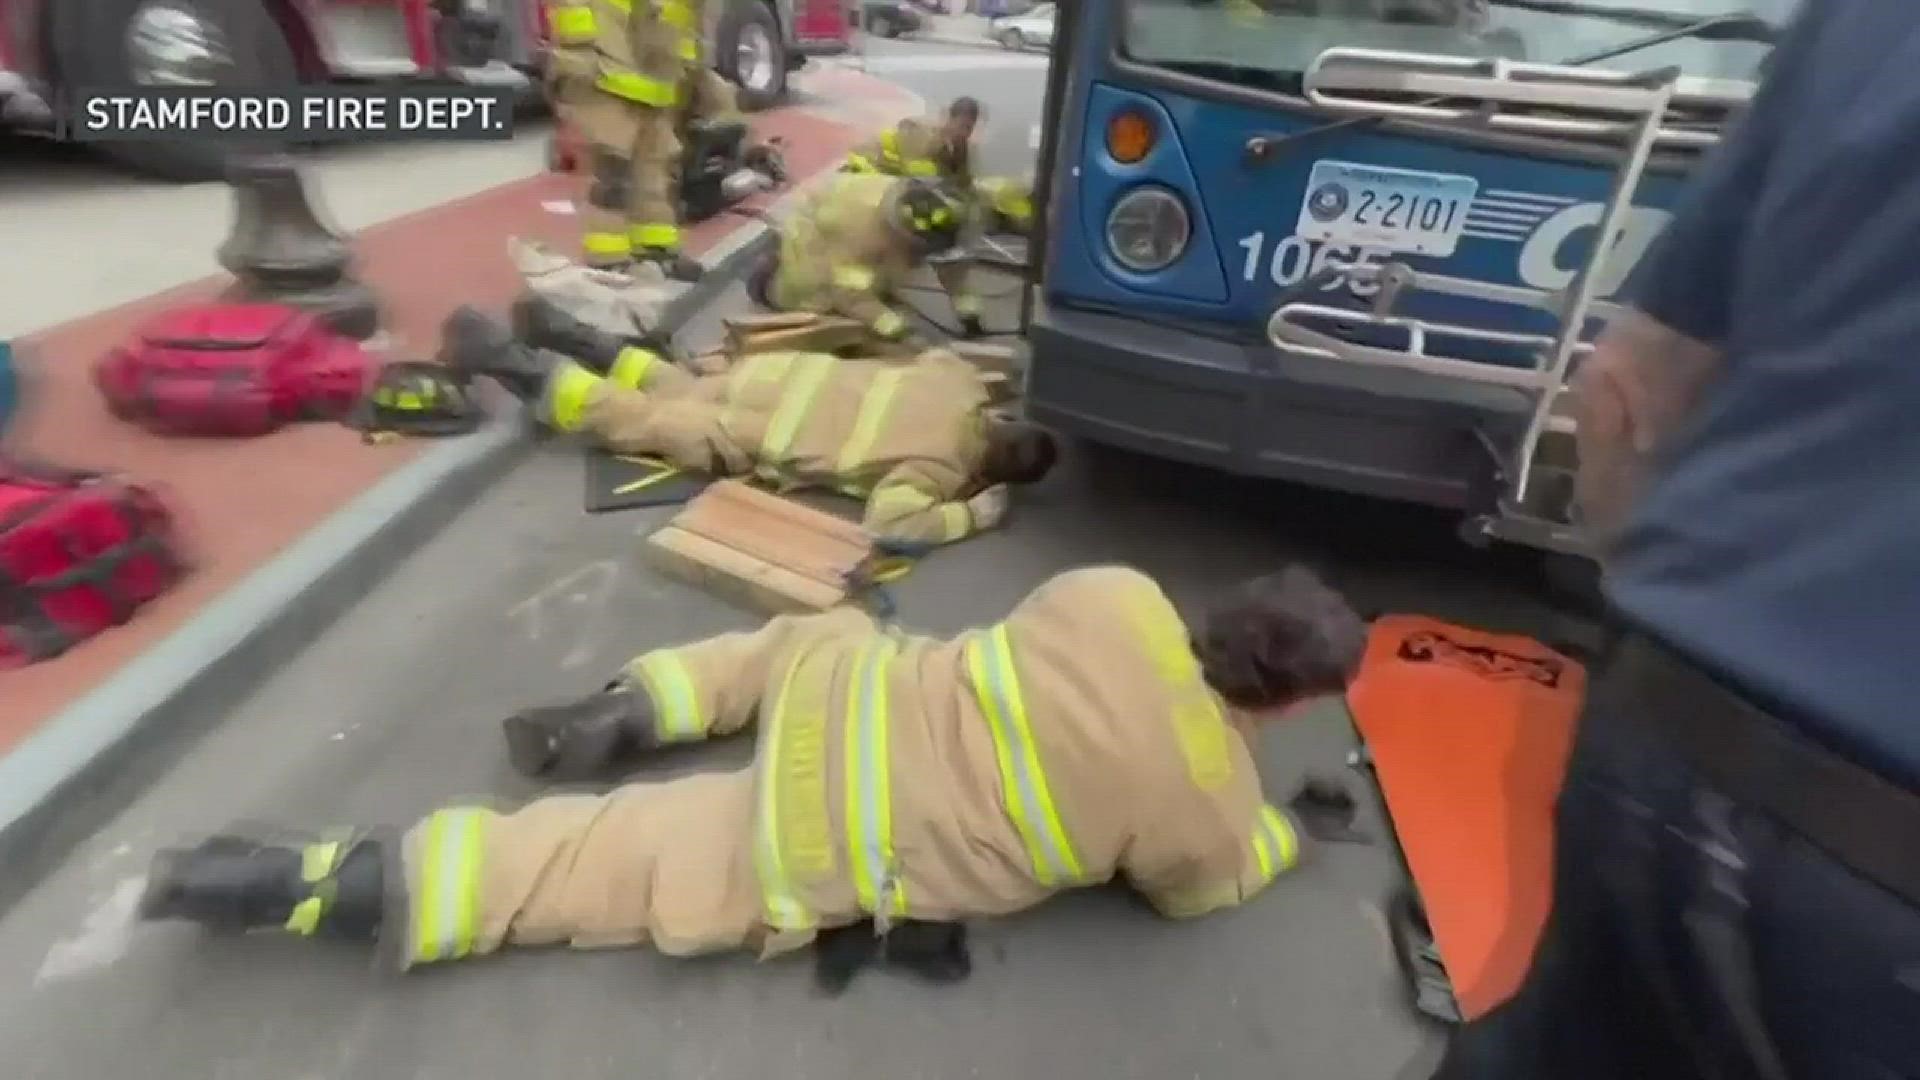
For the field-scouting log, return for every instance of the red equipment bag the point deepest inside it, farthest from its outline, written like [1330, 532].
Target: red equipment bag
[79, 553]
[232, 369]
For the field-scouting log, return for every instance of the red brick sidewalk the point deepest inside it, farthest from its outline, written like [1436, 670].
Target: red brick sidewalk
[245, 501]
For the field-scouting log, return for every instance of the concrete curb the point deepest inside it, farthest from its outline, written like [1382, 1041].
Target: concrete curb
[964, 42]
[87, 763]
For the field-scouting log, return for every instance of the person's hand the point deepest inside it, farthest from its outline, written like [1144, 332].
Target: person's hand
[989, 508]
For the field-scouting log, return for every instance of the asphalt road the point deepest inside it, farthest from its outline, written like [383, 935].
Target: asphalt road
[525, 598]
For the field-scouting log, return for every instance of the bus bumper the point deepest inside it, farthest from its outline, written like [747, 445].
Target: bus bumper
[1256, 410]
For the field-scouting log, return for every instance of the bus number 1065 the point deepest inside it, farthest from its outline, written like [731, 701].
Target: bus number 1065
[1295, 259]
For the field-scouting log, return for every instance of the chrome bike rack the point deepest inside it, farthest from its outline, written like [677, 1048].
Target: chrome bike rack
[1640, 112]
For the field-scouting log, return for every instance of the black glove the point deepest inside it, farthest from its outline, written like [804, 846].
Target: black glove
[970, 327]
[1325, 809]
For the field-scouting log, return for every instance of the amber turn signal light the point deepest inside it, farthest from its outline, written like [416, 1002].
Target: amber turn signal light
[1129, 137]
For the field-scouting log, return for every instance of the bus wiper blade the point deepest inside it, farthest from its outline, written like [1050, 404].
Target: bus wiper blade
[1729, 26]
[1732, 26]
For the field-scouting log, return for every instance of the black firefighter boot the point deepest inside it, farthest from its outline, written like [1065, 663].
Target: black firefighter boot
[473, 344]
[579, 741]
[331, 888]
[542, 324]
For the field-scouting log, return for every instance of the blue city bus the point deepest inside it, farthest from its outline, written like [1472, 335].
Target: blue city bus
[1352, 243]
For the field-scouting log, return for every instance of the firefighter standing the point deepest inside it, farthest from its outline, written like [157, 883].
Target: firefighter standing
[1086, 736]
[930, 148]
[850, 246]
[911, 438]
[625, 76]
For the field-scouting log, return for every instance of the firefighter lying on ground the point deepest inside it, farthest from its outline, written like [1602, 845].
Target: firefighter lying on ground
[934, 147]
[903, 779]
[626, 79]
[850, 246]
[912, 438]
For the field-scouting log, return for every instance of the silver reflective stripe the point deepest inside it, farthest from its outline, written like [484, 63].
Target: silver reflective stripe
[448, 905]
[675, 700]
[1030, 801]
[869, 785]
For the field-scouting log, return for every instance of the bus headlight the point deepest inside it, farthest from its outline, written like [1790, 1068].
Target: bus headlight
[1148, 229]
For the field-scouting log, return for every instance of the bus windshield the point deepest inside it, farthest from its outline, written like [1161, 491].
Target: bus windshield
[1267, 44]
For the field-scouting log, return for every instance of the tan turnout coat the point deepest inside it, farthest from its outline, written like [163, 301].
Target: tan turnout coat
[908, 436]
[1071, 743]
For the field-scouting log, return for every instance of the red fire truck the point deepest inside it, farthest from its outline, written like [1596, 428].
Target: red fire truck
[49, 45]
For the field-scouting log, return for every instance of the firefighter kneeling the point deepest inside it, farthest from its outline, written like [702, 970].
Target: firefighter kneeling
[912, 438]
[1089, 735]
[850, 247]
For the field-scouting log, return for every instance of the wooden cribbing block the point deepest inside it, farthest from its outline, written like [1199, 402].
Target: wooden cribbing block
[1000, 389]
[1000, 360]
[710, 363]
[799, 330]
[762, 550]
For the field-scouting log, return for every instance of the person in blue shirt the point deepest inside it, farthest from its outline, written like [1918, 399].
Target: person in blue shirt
[1738, 873]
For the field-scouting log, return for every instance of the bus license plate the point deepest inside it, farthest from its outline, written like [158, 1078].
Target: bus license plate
[1420, 213]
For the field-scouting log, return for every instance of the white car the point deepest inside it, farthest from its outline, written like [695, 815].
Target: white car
[1034, 28]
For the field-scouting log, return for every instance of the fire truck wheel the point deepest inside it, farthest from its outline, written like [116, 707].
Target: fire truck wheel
[132, 43]
[752, 53]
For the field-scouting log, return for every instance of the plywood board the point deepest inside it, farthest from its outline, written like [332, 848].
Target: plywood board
[762, 550]
[799, 331]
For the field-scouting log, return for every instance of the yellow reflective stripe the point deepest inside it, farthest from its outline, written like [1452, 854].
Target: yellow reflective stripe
[899, 500]
[1275, 845]
[955, 521]
[869, 791]
[794, 834]
[890, 146]
[606, 243]
[758, 368]
[572, 24]
[564, 400]
[866, 424]
[889, 324]
[853, 278]
[317, 861]
[622, 5]
[447, 911]
[689, 49]
[861, 163]
[677, 14]
[781, 905]
[304, 919]
[807, 834]
[796, 400]
[630, 368]
[639, 88]
[656, 235]
[922, 167]
[996, 687]
[676, 700]
[1197, 720]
